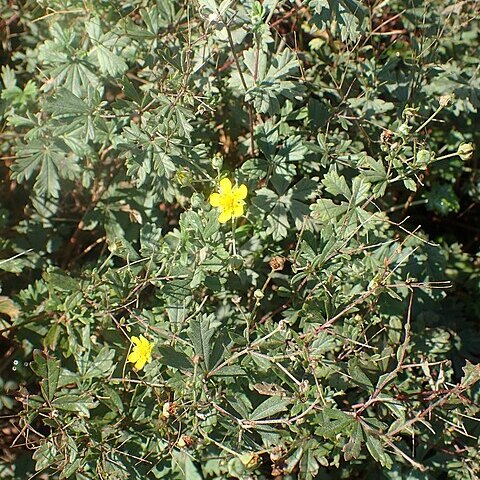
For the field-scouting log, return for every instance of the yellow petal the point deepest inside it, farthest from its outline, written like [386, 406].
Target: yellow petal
[134, 356]
[225, 185]
[143, 340]
[215, 199]
[240, 193]
[225, 216]
[238, 210]
[135, 340]
[141, 363]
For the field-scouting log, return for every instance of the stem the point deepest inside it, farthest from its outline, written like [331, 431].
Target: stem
[246, 350]
[391, 376]
[104, 264]
[244, 84]
[430, 118]
[234, 244]
[443, 157]
[271, 12]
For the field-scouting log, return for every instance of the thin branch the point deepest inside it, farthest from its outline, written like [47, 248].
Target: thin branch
[373, 398]
[244, 84]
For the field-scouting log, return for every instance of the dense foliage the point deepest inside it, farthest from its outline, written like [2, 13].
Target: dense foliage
[317, 316]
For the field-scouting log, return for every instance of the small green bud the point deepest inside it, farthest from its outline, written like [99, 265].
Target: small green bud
[394, 146]
[465, 151]
[258, 294]
[409, 112]
[423, 157]
[404, 129]
[183, 177]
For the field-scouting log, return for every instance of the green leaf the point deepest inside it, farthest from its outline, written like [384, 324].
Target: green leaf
[410, 184]
[358, 375]
[66, 103]
[71, 468]
[201, 334]
[336, 184]
[51, 339]
[45, 455]
[270, 407]
[105, 47]
[325, 210]
[333, 422]
[353, 447]
[113, 399]
[102, 365]
[271, 85]
[184, 466]
[172, 358]
[50, 160]
[48, 369]
[347, 14]
[360, 191]
[74, 403]
[377, 451]
[230, 371]
[60, 280]
[471, 374]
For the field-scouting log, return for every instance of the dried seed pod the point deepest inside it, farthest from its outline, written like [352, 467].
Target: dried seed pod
[386, 136]
[277, 263]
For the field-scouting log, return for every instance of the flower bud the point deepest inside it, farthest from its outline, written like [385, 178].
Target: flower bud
[250, 460]
[423, 157]
[258, 294]
[446, 100]
[236, 299]
[465, 151]
[409, 112]
[184, 177]
[403, 129]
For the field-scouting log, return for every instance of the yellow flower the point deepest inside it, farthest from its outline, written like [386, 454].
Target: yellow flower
[141, 353]
[228, 200]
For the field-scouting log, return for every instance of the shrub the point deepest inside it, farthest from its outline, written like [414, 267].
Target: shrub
[240, 239]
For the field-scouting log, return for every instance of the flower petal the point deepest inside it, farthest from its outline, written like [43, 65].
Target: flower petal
[240, 193]
[135, 340]
[134, 356]
[225, 216]
[225, 185]
[141, 363]
[238, 210]
[215, 199]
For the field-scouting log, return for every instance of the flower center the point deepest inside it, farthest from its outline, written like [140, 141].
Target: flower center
[228, 202]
